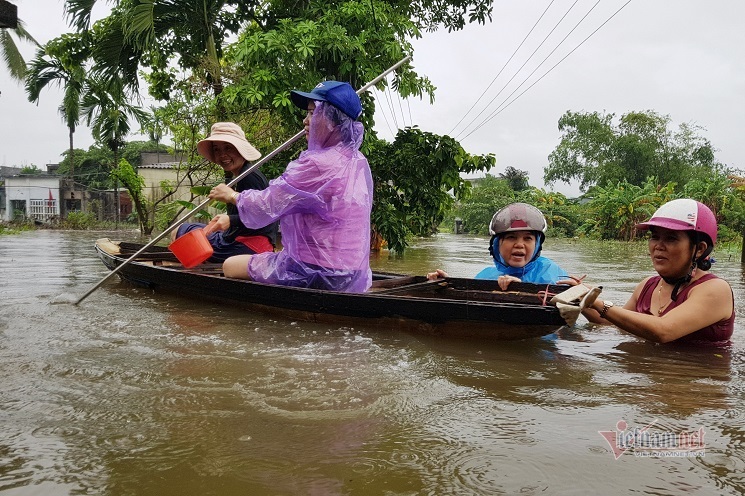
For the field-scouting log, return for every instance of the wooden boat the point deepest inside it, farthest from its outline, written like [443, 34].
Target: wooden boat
[452, 306]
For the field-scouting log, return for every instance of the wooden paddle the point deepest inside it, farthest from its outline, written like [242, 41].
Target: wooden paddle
[248, 171]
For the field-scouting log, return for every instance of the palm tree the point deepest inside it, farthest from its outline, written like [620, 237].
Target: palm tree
[13, 58]
[61, 62]
[107, 111]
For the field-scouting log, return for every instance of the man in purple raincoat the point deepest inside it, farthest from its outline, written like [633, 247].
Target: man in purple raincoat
[322, 201]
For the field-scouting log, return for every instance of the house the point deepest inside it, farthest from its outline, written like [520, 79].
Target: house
[47, 197]
[34, 196]
[5, 172]
[155, 175]
[157, 169]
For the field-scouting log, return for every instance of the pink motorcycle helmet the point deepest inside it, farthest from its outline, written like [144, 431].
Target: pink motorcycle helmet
[684, 214]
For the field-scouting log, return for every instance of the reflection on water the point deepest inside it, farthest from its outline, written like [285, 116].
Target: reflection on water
[136, 392]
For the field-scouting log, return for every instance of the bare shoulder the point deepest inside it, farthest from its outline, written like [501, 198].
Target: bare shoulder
[641, 284]
[631, 303]
[715, 285]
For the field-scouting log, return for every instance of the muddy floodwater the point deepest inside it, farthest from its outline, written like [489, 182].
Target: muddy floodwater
[135, 392]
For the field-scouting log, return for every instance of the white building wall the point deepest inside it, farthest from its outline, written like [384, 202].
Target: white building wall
[39, 194]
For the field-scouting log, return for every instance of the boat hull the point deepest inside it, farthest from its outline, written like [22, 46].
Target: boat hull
[453, 307]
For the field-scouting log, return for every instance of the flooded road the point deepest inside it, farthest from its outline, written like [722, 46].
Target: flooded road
[140, 393]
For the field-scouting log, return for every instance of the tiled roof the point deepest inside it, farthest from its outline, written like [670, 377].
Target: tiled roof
[162, 165]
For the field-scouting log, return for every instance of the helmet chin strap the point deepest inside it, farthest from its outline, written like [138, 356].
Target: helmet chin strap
[700, 262]
[679, 281]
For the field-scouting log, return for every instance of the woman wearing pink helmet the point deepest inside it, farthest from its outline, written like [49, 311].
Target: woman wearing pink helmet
[684, 302]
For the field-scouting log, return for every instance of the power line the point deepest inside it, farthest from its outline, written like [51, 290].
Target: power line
[401, 108]
[521, 67]
[502, 69]
[382, 110]
[389, 100]
[499, 110]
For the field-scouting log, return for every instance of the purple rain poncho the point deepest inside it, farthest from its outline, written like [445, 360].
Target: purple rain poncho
[323, 202]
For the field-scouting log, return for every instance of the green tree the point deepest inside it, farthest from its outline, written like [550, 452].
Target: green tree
[488, 195]
[61, 62]
[516, 178]
[132, 151]
[596, 152]
[417, 179]
[716, 193]
[135, 185]
[618, 209]
[30, 169]
[92, 167]
[108, 111]
[153, 34]
[281, 45]
[552, 205]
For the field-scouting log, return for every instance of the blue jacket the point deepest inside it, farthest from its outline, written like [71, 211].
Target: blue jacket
[542, 270]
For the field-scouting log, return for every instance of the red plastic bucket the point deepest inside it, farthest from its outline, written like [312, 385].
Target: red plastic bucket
[192, 248]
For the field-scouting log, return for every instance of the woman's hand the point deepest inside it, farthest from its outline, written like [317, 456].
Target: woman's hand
[438, 274]
[220, 222]
[222, 193]
[572, 281]
[505, 281]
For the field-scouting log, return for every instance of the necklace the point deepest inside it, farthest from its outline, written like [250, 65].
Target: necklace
[659, 300]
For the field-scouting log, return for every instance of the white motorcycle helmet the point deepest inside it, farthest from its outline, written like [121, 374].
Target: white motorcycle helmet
[518, 217]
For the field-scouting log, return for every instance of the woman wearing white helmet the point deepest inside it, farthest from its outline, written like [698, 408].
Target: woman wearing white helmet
[684, 302]
[518, 232]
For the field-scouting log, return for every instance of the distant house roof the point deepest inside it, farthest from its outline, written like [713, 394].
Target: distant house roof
[162, 165]
[149, 158]
[9, 171]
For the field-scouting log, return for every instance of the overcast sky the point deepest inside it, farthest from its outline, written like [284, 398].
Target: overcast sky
[682, 58]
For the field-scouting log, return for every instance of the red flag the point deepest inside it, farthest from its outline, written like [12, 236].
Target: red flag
[50, 203]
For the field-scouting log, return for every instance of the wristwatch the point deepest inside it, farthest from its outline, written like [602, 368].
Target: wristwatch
[606, 306]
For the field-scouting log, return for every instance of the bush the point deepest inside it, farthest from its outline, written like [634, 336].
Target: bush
[79, 220]
[727, 235]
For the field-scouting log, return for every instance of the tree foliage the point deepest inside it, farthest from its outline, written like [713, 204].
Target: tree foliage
[554, 207]
[516, 178]
[61, 62]
[417, 179]
[12, 57]
[488, 195]
[597, 152]
[619, 208]
[181, 48]
[30, 169]
[135, 185]
[93, 166]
